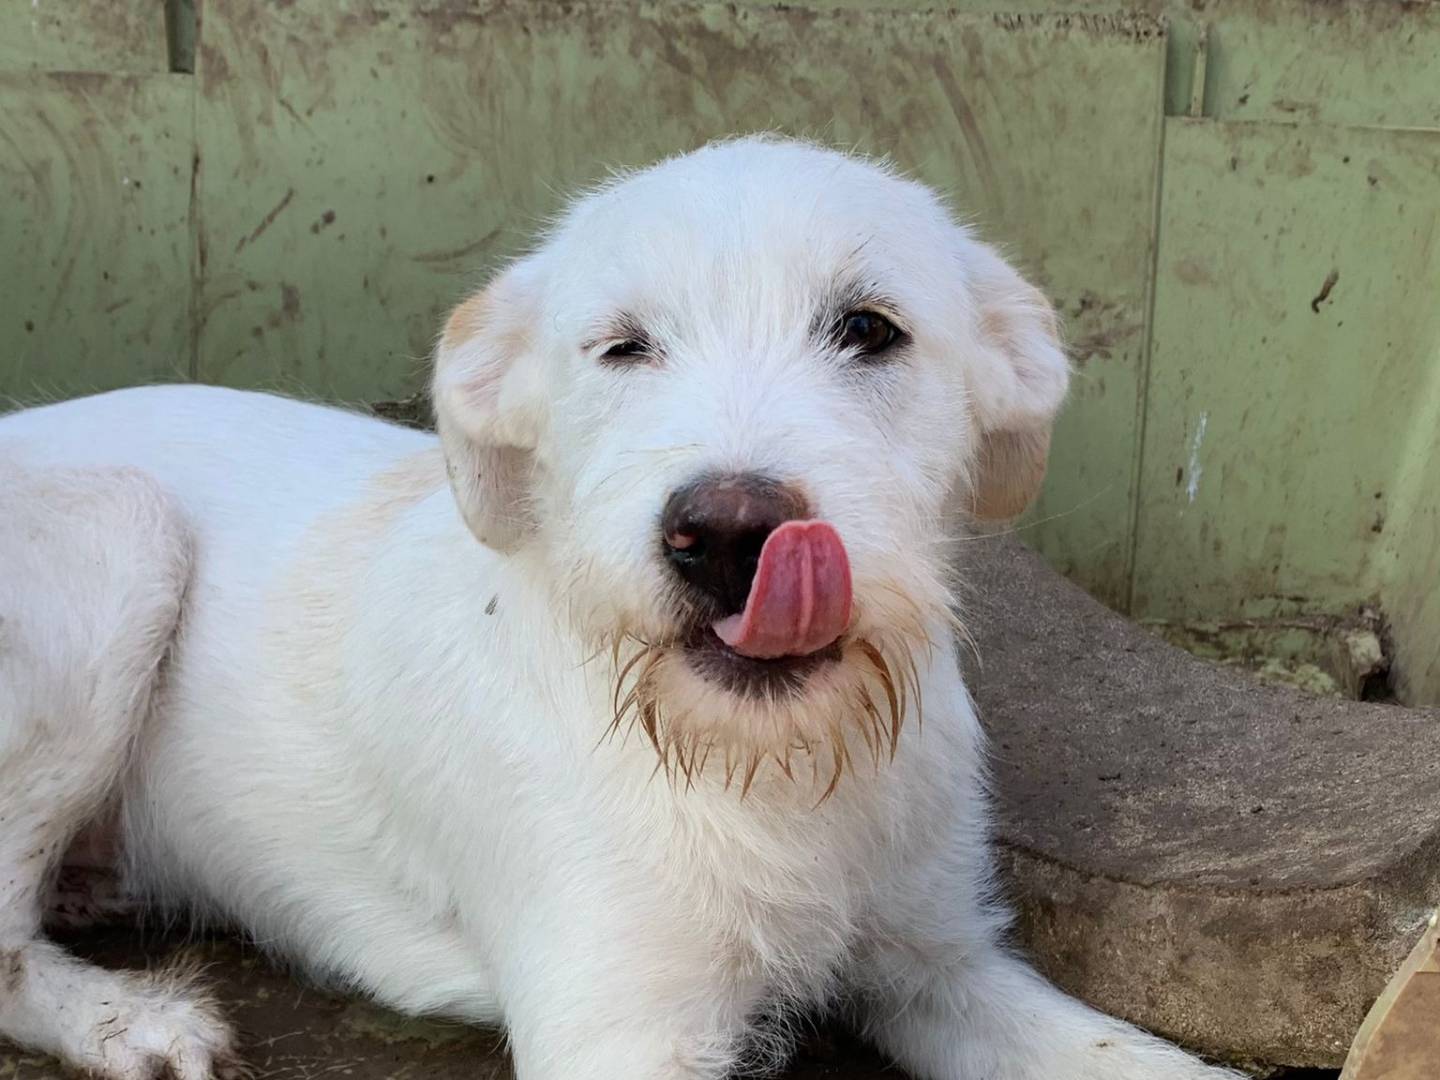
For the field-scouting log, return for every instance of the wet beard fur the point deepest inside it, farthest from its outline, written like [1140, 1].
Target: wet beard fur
[850, 713]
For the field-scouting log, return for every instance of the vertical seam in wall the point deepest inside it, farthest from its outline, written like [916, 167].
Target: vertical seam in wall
[1142, 401]
[197, 260]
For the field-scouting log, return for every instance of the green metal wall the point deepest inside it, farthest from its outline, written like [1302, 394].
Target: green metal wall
[290, 193]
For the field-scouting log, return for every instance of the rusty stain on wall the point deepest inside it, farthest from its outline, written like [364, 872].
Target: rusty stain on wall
[267, 220]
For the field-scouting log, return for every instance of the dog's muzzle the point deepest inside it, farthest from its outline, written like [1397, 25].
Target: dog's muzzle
[771, 590]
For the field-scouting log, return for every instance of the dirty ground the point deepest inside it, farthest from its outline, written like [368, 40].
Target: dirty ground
[292, 1031]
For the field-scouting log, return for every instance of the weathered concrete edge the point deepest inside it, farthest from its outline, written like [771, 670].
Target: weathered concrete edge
[1187, 962]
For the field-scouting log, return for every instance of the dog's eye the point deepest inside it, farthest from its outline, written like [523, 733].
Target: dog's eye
[867, 333]
[625, 352]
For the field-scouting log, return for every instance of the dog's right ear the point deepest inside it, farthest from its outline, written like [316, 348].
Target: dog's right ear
[486, 394]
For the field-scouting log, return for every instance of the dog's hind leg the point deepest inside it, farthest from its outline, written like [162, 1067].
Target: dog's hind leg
[93, 565]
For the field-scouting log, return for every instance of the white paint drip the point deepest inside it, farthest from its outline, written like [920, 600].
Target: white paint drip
[1192, 488]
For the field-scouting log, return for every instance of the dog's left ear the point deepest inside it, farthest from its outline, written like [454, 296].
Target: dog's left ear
[487, 393]
[1018, 383]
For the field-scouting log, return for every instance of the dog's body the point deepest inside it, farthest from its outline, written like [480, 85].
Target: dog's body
[426, 766]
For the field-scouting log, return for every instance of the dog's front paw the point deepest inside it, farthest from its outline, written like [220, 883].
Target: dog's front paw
[162, 1027]
[1136, 1056]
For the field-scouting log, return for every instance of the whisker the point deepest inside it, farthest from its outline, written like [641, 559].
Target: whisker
[841, 756]
[784, 763]
[750, 769]
[887, 683]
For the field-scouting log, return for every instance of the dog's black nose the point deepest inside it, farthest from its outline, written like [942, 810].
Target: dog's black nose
[714, 528]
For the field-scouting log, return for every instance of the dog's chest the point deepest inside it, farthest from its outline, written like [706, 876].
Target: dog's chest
[783, 893]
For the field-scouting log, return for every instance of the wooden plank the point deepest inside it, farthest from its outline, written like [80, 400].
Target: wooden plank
[1374, 63]
[1291, 458]
[66, 35]
[95, 240]
[1399, 1039]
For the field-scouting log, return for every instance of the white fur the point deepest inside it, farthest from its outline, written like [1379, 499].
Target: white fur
[380, 746]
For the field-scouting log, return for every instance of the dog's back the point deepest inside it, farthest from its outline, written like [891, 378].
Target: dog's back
[260, 465]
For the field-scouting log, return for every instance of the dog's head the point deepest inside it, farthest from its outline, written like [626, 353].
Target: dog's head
[733, 404]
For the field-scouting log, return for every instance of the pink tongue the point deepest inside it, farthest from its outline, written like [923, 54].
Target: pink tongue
[799, 601]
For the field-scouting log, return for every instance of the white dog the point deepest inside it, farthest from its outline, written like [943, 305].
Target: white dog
[616, 738]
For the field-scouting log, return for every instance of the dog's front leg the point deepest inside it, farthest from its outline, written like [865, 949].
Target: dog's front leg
[612, 1019]
[986, 1015]
[940, 993]
[622, 1054]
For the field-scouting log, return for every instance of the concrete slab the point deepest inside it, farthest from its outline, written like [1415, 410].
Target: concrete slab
[1238, 867]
